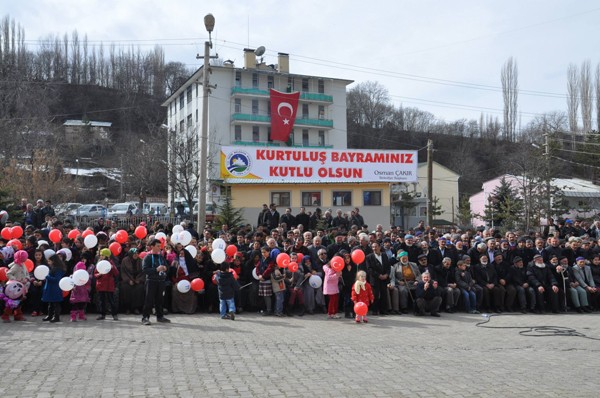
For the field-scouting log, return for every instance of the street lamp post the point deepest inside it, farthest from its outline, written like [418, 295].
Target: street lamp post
[209, 23]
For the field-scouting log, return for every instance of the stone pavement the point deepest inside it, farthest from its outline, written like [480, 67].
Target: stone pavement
[394, 356]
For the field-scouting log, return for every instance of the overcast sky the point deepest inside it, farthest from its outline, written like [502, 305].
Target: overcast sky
[401, 44]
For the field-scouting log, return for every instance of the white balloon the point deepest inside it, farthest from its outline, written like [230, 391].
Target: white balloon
[3, 216]
[193, 251]
[49, 253]
[90, 241]
[41, 272]
[66, 284]
[254, 274]
[218, 256]
[80, 277]
[184, 286]
[185, 238]
[219, 244]
[67, 252]
[160, 236]
[315, 281]
[177, 229]
[175, 238]
[103, 267]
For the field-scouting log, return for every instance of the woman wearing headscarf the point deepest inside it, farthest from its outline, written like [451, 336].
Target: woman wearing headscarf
[132, 283]
[186, 268]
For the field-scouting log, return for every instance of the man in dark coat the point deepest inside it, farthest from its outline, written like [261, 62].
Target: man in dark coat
[543, 282]
[428, 296]
[378, 270]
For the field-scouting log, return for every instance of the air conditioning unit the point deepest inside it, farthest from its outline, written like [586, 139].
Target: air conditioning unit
[418, 195]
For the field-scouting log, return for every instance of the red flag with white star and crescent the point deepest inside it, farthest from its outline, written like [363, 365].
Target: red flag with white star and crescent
[284, 107]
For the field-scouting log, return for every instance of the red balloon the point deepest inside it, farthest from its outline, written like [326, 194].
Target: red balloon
[214, 279]
[87, 232]
[6, 234]
[73, 234]
[29, 265]
[358, 256]
[3, 277]
[293, 267]
[283, 260]
[235, 275]
[115, 248]
[65, 293]
[231, 250]
[300, 257]
[337, 263]
[121, 236]
[142, 254]
[141, 232]
[361, 308]
[15, 242]
[197, 284]
[55, 235]
[16, 232]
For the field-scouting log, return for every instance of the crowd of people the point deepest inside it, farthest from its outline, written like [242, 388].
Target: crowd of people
[389, 271]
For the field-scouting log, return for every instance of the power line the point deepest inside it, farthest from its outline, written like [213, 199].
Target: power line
[580, 152]
[570, 161]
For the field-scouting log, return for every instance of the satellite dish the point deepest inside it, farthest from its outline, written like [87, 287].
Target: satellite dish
[260, 51]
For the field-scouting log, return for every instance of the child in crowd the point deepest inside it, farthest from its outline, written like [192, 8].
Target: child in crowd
[278, 282]
[362, 292]
[227, 287]
[80, 296]
[17, 272]
[34, 294]
[264, 269]
[296, 294]
[105, 287]
[52, 294]
[331, 289]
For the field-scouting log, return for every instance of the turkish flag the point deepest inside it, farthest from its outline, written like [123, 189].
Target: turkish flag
[284, 107]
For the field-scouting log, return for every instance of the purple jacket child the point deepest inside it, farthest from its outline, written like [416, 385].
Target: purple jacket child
[80, 296]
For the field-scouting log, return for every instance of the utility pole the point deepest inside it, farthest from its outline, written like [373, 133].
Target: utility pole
[121, 183]
[429, 183]
[209, 23]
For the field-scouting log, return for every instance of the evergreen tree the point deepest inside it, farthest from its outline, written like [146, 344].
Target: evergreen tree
[504, 208]
[464, 214]
[406, 202]
[436, 208]
[229, 215]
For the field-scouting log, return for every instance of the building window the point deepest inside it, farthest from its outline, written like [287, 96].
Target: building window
[188, 93]
[196, 115]
[237, 133]
[321, 137]
[305, 141]
[197, 90]
[182, 126]
[311, 198]
[342, 198]
[422, 211]
[281, 198]
[255, 80]
[305, 85]
[372, 198]
[270, 82]
[321, 86]
[292, 137]
[255, 134]
[238, 79]
[269, 134]
[290, 85]
[321, 112]
[181, 101]
[255, 107]
[304, 111]
[190, 121]
[238, 105]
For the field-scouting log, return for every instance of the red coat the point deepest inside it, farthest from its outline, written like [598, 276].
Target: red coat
[106, 282]
[365, 296]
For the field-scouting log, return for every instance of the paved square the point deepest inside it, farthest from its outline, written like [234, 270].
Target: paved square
[255, 356]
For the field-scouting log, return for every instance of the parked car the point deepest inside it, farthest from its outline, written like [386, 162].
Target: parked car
[157, 209]
[211, 211]
[89, 211]
[122, 210]
[66, 208]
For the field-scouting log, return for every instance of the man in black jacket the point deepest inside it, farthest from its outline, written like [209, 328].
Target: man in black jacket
[545, 286]
[486, 277]
[155, 268]
[502, 268]
[378, 270]
[428, 296]
[517, 277]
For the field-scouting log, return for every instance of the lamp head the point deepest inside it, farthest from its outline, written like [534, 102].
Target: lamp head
[209, 22]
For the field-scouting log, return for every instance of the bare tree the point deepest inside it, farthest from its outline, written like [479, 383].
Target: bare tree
[572, 97]
[598, 97]
[510, 92]
[368, 105]
[585, 91]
